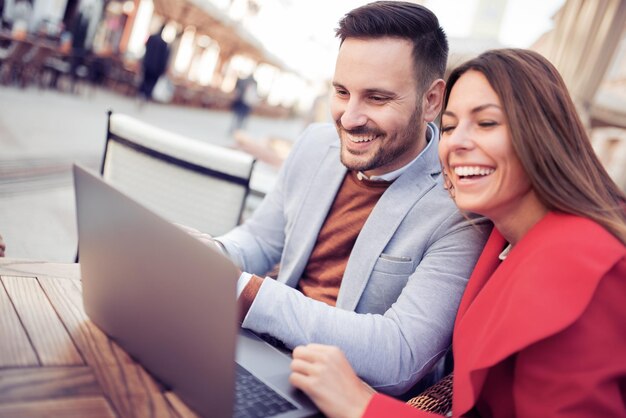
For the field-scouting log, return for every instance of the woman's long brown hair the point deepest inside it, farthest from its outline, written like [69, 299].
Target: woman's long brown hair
[549, 138]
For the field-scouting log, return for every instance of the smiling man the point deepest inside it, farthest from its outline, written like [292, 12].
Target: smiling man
[373, 254]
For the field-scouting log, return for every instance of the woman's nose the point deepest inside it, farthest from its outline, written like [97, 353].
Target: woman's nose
[460, 138]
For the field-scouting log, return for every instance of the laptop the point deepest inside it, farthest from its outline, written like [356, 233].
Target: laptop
[170, 302]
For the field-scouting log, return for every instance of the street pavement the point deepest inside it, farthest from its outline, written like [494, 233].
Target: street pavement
[42, 132]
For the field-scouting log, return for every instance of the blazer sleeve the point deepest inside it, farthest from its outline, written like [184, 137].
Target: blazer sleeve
[390, 351]
[581, 371]
[382, 406]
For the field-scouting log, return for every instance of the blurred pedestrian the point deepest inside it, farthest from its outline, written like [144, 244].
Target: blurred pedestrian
[79, 30]
[246, 97]
[2, 246]
[154, 63]
[2, 19]
[22, 17]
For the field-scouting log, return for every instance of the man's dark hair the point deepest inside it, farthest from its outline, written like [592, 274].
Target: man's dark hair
[403, 20]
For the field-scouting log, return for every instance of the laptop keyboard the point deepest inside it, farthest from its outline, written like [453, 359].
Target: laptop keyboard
[254, 398]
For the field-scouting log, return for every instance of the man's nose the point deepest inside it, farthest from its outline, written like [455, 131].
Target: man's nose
[353, 115]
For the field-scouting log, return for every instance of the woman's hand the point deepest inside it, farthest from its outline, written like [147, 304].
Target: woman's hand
[324, 374]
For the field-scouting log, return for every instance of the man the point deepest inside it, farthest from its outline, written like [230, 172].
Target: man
[374, 256]
[246, 98]
[154, 62]
[80, 42]
[2, 246]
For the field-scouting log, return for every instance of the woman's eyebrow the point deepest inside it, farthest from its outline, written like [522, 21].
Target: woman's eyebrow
[474, 110]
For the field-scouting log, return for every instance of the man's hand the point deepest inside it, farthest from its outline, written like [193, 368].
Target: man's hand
[2, 246]
[324, 374]
[202, 237]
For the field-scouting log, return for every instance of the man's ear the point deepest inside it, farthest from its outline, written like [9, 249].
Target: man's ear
[433, 100]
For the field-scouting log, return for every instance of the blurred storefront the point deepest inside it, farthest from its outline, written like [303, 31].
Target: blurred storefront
[210, 48]
[112, 34]
[211, 51]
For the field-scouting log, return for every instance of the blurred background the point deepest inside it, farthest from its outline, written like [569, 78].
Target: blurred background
[64, 63]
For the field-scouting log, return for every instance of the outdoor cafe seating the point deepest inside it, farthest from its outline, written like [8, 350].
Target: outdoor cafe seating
[38, 60]
[30, 59]
[20, 57]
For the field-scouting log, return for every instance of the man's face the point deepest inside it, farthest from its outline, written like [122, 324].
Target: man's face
[376, 105]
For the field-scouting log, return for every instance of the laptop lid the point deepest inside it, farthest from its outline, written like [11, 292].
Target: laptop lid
[165, 297]
[169, 301]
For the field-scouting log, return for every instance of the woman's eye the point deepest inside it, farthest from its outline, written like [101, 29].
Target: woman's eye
[447, 128]
[487, 123]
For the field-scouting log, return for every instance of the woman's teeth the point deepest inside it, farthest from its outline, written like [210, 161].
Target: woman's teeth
[466, 171]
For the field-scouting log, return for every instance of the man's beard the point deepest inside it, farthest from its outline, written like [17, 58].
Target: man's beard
[387, 152]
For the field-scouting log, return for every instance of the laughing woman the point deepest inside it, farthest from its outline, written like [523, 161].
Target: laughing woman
[541, 327]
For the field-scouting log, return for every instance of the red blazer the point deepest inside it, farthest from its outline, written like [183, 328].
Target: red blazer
[543, 333]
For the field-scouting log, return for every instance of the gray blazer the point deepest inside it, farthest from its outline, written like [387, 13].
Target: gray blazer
[404, 279]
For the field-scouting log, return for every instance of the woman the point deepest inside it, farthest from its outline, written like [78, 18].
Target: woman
[540, 329]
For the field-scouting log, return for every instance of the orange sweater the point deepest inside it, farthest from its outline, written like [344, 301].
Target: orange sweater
[323, 273]
[353, 204]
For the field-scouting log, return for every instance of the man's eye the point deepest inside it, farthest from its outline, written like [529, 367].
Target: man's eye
[378, 99]
[341, 92]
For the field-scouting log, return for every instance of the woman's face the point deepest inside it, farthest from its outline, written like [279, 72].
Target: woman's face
[477, 153]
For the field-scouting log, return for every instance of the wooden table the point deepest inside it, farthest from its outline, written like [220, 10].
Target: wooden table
[54, 362]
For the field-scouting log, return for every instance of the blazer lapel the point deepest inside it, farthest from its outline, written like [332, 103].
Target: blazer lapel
[486, 265]
[312, 213]
[466, 386]
[383, 222]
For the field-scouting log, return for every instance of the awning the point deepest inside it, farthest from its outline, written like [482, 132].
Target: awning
[210, 21]
[583, 44]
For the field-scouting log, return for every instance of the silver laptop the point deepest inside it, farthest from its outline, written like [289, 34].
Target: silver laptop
[169, 301]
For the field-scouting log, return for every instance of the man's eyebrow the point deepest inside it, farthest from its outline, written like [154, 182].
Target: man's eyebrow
[474, 110]
[381, 91]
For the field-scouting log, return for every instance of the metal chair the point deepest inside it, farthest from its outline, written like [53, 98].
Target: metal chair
[12, 63]
[186, 181]
[33, 64]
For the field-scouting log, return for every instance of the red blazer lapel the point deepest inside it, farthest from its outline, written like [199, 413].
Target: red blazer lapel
[464, 394]
[485, 266]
